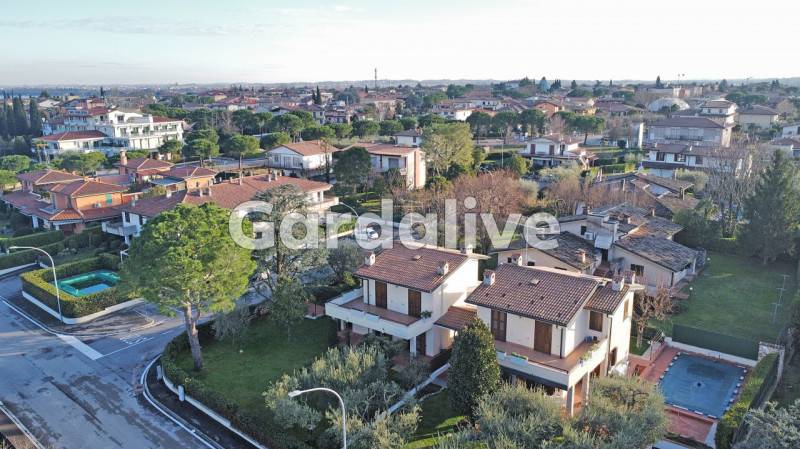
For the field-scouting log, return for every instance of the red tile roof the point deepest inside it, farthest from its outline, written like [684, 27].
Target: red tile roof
[606, 299]
[416, 269]
[543, 294]
[150, 207]
[309, 148]
[87, 187]
[159, 119]
[146, 163]
[73, 135]
[384, 149]
[187, 172]
[457, 317]
[41, 177]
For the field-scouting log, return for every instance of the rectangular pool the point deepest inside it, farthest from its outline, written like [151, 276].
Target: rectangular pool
[88, 283]
[700, 384]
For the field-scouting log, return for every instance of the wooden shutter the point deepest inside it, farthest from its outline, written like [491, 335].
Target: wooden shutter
[499, 325]
[414, 303]
[380, 294]
[543, 337]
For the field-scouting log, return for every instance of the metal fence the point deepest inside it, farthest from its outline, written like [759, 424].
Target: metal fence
[714, 341]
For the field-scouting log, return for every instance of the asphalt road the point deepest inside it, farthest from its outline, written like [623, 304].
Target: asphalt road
[83, 393]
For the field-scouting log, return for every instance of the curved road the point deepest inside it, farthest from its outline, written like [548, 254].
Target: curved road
[82, 394]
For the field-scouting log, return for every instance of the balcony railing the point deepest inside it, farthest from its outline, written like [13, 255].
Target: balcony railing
[565, 371]
[119, 228]
[349, 307]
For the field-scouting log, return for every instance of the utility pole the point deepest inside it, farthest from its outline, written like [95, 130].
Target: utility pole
[775, 312]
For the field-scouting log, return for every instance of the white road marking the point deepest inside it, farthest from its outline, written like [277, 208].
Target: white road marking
[129, 346]
[20, 426]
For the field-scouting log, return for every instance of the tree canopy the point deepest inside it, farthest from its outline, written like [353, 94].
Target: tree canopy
[474, 372]
[446, 145]
[352, 169]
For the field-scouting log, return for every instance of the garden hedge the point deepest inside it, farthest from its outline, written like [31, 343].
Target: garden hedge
[27, 256]
[39, 285]
[734, 417]
[37, 239]
[266, 432]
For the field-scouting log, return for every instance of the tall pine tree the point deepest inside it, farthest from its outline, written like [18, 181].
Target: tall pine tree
[20, 117]
[3, 127]
[11, 128]
[773, 211]
[35, 118]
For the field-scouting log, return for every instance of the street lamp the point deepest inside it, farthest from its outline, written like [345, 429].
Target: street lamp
[296, 393]
[55, 277]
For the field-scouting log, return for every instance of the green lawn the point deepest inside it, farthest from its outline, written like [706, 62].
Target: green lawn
[734, 296]
[265, 355]
[437, 419]
[639, 350]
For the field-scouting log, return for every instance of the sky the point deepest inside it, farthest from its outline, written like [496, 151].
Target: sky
[90, 42]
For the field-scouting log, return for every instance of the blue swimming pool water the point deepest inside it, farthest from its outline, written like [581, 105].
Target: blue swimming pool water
[88, 283]
[700, 384]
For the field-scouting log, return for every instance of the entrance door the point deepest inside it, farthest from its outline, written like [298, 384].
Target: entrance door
[499, 325]
[543, 337]
[414, 303]
[380, 294]
[421, 341]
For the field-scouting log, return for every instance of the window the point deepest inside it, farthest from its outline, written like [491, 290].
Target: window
[698, 160]
[595, 321]
[509, 260]
[638, 269]
[127, 216]
[109, 198]
[531, 263]
[660, 156]
[680, 158]
[627, 312]
[583, 230]
[499, 325]
[414, 303]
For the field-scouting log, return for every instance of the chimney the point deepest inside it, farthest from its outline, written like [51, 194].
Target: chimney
[488, 277]
[467, 249]
[369, 259]
[169, 193]
[617, 283]
[123, 157]
[199, 192]
[582, 256]
[652, 211]
[443, 268]
[516, 258]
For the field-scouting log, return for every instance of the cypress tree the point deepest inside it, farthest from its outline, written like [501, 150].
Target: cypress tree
[20, 117]
[11, 129]
[35, 118]
[474, 371]
[3, 127]
[773, 210]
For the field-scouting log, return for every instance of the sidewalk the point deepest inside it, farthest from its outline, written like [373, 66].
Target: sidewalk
[192, 417]
[124, 321]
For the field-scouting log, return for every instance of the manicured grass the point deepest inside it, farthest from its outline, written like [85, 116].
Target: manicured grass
[639, 350]
[734, 296]
[265, 355]
[437, 419]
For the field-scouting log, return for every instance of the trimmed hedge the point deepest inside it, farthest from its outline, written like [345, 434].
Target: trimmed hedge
[266, 432]
[618, 168]
[38, 284]
[734, 417]
[37, 239]
[27, 256]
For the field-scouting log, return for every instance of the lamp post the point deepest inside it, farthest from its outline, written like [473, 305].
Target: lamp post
[55, 277]
[296, 393]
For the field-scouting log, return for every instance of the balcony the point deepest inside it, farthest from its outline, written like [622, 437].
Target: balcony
[119, 228]
[561, 371]
[350, 307]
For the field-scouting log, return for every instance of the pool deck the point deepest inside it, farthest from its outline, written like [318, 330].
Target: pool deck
[681, 422]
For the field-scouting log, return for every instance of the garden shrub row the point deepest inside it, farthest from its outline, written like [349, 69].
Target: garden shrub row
[734, 417]
[265, 431]
[618, 168]
[39, 285]
[28, 256]
[37, 239]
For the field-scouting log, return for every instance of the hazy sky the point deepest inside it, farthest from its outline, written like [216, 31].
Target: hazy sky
[166, 41]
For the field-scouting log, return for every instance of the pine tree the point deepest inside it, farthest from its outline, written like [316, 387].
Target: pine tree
[773, 211]
[35, 118]
[318, 97]
[3, 127]
[474, 371]
[11, 129]
[573, 85]
[658, 82]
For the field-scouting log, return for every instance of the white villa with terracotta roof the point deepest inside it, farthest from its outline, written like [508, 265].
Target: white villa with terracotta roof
[408, 161]
[301, 157]
[555, 149]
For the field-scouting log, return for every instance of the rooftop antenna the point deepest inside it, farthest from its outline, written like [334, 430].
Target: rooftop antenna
[376, 78]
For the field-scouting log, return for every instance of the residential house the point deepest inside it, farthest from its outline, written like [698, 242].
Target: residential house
[134, 214]
[404, 291]
[690, 130]
[82, 141]
[790, 145]
[552, 328]
[187, 177]
[555, 149]
[548, 107]
[564, 251]
[720, 110]
[302, 157]
[791, 130]
[663, 159]
[141, 169]
[41, 181]
[408, 161]
[409, 138]
[756, 116]
[667, 196]
[453, 109]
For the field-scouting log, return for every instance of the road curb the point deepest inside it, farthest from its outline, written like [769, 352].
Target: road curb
[25, 431]
[174, 417]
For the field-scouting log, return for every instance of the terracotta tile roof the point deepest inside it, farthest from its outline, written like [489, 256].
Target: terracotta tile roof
[759, 110]
[41, 177]
[416, 269]
[457, 317]
[309, 148]
[73, 135]
[675, 204]
[66, 214]
[568, 250]
[150, 207]
[87, 187]
[385, 149]
[159, 119]
[658, 250]
[658, 226]
[544, 294]
[187, 172]
[606, 300]
[717, 104]
[146, 163]
[409, 133]
[687, 122]
[675, 185]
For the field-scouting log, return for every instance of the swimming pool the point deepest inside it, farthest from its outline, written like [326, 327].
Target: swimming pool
[88, 283]
[701, 385]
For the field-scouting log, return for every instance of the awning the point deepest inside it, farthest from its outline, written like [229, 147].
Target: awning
[602, 242]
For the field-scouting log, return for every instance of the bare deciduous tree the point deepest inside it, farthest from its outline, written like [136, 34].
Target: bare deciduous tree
[650, 306]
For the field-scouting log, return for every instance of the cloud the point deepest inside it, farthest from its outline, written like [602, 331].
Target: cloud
[138, 25]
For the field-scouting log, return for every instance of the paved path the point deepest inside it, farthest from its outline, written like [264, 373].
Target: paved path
[82, 392]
